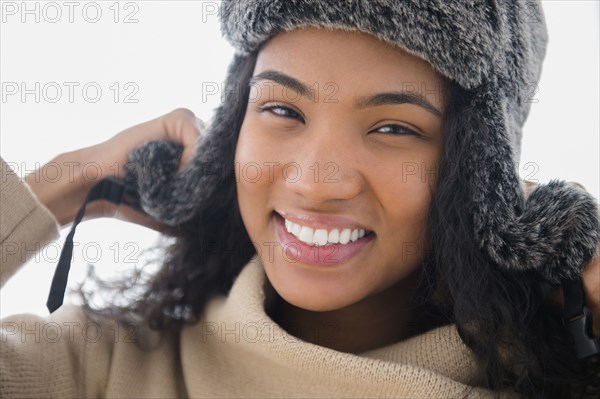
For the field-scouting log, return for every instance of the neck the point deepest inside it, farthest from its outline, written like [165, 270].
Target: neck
[382, 319]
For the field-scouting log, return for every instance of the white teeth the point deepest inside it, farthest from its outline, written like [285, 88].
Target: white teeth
[334, 236]
[321, 237]
[296, 229]
[345, 236]
[306, 235]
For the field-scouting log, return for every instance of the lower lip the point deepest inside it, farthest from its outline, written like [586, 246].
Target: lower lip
[295, 251]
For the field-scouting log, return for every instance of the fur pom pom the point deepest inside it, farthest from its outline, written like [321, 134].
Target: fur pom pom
[174, 197]
[169, 196]
[152, 168]
[558, 233]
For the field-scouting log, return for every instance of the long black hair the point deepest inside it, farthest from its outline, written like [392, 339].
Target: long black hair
[503, 317]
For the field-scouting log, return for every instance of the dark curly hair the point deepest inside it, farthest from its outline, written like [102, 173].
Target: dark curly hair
[504, 317]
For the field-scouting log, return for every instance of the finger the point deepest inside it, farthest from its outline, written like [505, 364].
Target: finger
[590, 279]
[529, 186]
[577, 185]
[130, 215]
[115, 151]
[182, 127]
[150, 130]
[591, 287]
[189, 137]
[104, 208]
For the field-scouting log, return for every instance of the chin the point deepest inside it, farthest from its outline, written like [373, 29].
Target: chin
[309, 292]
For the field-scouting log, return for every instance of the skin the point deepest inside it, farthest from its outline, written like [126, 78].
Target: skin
[63, 197]
[358, 192]
[367, 301]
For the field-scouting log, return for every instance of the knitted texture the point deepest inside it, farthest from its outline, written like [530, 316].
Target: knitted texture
[24, 219]
[473, 42]
[237, 350]
[494, 49]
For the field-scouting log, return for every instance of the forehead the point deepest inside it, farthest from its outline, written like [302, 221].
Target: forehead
[357, 63]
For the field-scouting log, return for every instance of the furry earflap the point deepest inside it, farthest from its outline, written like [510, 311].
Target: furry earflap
[472, 42]
[555, 230]
[492, 48]
[174, 198]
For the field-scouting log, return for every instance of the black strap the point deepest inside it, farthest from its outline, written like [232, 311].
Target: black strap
[111, 189]
[578, 319]
[574, 298]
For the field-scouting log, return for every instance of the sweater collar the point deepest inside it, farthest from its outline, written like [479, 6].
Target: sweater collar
[236, 332]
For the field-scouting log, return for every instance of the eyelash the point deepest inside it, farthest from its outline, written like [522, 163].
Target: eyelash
[270, 108]
[395, 128]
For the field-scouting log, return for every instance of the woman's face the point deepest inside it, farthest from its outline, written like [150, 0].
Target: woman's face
[341, 137]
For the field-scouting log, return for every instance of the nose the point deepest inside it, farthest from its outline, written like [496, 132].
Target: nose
[325, 170]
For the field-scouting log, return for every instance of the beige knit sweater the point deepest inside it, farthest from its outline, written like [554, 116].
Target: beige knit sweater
[236, 350]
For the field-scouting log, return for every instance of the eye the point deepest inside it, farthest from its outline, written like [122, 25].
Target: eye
[282, 111]
[397, 130]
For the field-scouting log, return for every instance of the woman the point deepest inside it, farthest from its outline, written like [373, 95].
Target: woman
[373, 178]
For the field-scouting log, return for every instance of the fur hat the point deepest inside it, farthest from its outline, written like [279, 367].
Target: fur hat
[492, 48]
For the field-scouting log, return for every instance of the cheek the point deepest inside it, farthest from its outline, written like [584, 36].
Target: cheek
[256, 150]
[405, 194]
[254, 171]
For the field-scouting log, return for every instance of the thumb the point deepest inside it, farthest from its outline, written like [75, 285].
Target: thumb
[190, 138]
[529, 186]
[182, 127]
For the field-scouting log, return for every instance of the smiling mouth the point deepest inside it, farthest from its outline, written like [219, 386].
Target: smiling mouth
[319, 250]
[320, 237]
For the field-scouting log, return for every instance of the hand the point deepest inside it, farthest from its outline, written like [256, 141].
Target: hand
[591, 286]
[64, 196]
[590, 278]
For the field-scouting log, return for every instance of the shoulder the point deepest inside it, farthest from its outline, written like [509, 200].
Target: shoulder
[43, 356]
[74, 353]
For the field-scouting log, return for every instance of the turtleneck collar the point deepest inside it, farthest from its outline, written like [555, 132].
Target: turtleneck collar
[237, 344]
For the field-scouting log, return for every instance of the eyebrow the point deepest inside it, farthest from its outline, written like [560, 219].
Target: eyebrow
[286, 81]
[398, 97]
[388, 98]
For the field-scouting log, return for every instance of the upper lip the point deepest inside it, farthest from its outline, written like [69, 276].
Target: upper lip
[326, 222]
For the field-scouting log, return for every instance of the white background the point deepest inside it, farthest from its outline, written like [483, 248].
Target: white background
[169, 57]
